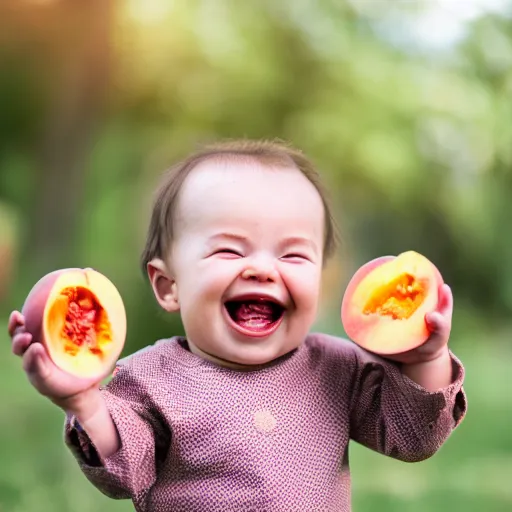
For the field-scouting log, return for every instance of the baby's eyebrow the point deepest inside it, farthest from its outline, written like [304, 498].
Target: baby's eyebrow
[227, 236]
[299, 240]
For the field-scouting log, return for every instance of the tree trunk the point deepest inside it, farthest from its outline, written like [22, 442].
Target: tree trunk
[80, 42]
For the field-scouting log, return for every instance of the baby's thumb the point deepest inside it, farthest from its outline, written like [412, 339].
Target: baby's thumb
[36, 363]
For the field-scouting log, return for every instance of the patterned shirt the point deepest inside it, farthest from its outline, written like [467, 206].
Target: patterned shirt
[197, 437]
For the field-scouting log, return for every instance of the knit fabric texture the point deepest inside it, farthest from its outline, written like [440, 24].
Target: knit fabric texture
[196, 437]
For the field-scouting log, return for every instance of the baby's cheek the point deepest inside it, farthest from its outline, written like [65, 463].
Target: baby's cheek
[207, 280]
[304, 285]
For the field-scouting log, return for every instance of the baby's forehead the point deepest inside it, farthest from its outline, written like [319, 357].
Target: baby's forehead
[233, 176]
[245, 186]
[243, 166]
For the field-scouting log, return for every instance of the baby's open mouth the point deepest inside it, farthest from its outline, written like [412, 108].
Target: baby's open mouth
[255, 315]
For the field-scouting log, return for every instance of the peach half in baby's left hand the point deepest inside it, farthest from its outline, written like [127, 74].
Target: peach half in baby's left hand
[385, 303]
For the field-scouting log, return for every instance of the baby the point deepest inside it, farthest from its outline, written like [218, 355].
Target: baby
[249, 411]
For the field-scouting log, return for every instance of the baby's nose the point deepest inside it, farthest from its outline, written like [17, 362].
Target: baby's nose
[260, 272]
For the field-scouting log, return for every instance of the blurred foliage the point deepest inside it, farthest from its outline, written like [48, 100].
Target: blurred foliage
[97, 99]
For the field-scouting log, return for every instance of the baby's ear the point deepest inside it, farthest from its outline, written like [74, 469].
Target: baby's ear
[164, 286]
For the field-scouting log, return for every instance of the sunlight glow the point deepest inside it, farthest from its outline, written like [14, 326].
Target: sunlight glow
[149, 12]
[431, 24]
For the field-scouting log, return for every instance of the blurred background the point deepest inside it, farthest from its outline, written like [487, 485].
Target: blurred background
[404, 105]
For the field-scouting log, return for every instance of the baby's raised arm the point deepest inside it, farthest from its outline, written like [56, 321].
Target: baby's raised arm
[77, 396]
[119, 464]
[396, 416]
[91, 413]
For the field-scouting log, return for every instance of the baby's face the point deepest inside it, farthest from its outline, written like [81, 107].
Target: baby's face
[247, 260]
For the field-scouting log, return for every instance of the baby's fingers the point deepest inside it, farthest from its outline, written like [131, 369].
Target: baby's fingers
[20, 343]
[16, 320]
[445, 306]
[36, 364]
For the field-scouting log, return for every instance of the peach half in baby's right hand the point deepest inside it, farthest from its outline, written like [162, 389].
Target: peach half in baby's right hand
[79, 317]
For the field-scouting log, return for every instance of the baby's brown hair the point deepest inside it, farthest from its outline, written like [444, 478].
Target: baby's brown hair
[272, 153]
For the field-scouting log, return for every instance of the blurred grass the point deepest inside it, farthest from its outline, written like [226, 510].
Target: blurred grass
[470, 473]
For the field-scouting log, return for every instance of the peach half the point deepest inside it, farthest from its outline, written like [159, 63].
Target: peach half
[79, 316]
[385, 303]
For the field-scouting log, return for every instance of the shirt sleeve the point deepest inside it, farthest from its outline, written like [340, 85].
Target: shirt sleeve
[132, 470]
[395, 416]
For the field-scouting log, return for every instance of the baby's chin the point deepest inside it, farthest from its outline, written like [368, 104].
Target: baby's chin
[251, 359]
[242, 359]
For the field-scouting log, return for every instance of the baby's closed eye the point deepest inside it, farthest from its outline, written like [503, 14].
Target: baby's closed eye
[296, 257]
[229, 252]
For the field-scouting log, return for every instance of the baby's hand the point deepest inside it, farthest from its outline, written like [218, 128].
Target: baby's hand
[59, 386]
[439, 323]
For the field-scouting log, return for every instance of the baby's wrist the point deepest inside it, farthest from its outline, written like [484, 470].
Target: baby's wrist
[441, 356]
[433, 373]
[83, 405]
